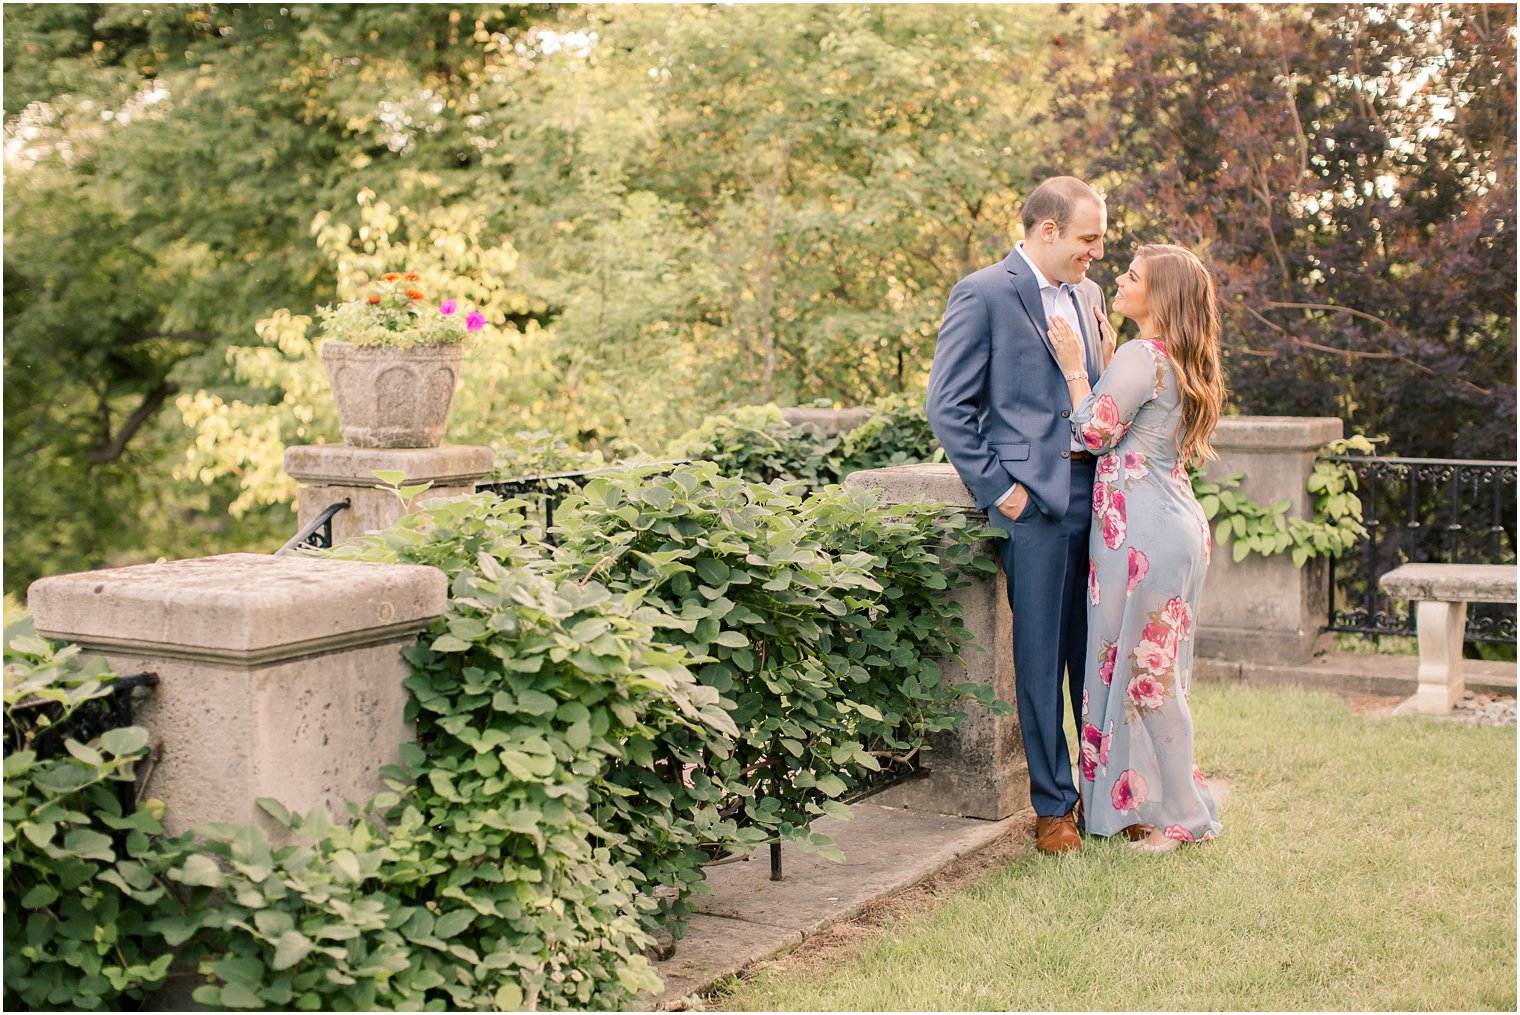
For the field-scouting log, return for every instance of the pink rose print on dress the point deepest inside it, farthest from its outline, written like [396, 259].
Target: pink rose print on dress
[1104, 429]
[1199, 779]
[1179, 833]
[1108, 469]
[1139, 567]
[1105, 743]
[1129, 790]
[1146, 692]
[1110, 657]
[1100, 499]
[1115, 527]
[1161, 634]
[1094, 597]
[1179, 615]
[1180, 473]
[1092, 740]
[1135, 467]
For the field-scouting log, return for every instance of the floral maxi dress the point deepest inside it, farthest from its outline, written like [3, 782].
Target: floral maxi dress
[1149, 550]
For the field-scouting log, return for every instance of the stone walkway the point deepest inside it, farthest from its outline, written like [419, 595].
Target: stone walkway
[750, 917]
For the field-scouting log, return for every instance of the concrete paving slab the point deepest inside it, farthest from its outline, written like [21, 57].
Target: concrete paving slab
[885, 849]
[715, 947]
[750, 917]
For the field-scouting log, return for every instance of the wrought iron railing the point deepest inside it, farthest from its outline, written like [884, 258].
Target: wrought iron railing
[1424, 510]
[318, 533]
[42, 726]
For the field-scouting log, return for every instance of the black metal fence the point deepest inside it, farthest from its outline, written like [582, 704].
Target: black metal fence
[43, 726]
[1427, 510]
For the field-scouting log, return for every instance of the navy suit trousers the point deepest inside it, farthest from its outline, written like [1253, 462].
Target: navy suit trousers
[1045, 562]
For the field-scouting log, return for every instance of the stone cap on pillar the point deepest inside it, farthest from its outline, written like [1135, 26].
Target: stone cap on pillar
[899, 484]
[827, 421]
[341, 465]
[1276, 433]
[241, 608]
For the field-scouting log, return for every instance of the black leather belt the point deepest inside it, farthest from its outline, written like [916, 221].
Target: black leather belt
[1081, 456]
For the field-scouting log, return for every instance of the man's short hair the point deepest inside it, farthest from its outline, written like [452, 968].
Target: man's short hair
[1055, 199]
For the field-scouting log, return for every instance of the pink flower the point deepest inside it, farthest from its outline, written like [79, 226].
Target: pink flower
[1199, 779]
[1106, 412]
[1129, 790]
[1135, 465]
[475, 321]
[1114, 525]
[1179, 615]
[447, 307]
[1153, 658]
[1161, 634]
[1180, 473]
[1094, 597]
[1108, 468]
[1179, 833]
[1101, 499]
[1106, 667]
[1139, 567]
[1105, 743]
[1091, 742]
[1146, 691]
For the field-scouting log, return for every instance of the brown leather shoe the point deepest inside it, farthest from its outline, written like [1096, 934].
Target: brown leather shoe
[1135, 833]
[1057, 835]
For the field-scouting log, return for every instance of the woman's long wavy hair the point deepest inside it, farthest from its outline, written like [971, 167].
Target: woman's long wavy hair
[1185, 313]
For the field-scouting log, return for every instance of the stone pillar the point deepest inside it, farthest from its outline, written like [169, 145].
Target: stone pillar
[826, 421]
[1267, 608]
[978, 769]
[278, 676]
[327, 473]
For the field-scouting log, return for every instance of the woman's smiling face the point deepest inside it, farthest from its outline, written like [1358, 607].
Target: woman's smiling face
[1133, 299]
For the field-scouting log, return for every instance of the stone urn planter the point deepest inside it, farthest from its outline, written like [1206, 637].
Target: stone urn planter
[389, 397]
[393, 358]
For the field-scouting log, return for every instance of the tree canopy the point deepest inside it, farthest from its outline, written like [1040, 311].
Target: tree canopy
[671, 210]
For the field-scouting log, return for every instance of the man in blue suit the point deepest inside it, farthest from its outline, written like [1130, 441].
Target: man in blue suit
[999, 404]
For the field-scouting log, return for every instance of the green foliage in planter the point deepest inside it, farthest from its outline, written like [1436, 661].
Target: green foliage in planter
[1267, 529]
[82, 880]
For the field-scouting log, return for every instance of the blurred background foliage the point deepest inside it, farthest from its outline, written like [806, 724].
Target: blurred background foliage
[669, 212]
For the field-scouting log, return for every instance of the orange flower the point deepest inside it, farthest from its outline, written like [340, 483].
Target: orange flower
[412, 276]
[390, 276]
[373, 298]
[414, 294]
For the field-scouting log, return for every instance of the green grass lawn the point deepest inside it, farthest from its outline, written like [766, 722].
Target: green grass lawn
[1365, 864]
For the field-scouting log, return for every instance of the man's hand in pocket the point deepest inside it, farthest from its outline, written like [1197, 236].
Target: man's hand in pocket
[1013, 505]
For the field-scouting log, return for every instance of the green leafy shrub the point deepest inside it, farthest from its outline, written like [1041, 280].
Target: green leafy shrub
[700, 665]
[782, 600]
[82, 879]
[755, 443]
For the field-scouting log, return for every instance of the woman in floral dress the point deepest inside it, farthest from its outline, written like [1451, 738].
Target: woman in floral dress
[1154, 410]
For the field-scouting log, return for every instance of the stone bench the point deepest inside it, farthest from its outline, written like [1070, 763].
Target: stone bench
[1441, 593]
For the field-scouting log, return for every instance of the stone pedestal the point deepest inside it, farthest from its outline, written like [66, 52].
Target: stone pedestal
[978, 769]
[327, 473]
[278, 676]
[1266, 608]
[827, 421]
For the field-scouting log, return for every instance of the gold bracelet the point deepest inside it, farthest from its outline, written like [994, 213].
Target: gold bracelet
[1075, 374]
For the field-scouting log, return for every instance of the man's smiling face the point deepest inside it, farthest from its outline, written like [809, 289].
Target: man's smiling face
[1071, 253]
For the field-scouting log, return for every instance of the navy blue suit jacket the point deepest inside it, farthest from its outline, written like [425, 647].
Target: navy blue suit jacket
[998, 400]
